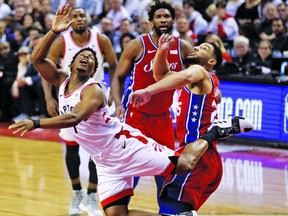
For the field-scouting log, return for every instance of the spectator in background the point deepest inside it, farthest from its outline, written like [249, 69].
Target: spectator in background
[8, 72]
[3, 34]
[48, 20]
[223, 24]
[244, 56]
[25, 107]
[106, 27]
[27, 21]
[19, 38]
[197, 24]
[19, 12]
[280, 37]
[118, 13]
[124, 40]
[125, 27]
[247, 12]
[32, 31]
[265, 26]
[37, 13]
[264, 56]
[46, 6]
[183, 31]
[213, 38]
[144, 25]
[31, 96]
[282, 10]
[249, 30]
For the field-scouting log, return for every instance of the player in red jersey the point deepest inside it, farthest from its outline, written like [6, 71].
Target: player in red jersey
[154, 118]
[197, 108]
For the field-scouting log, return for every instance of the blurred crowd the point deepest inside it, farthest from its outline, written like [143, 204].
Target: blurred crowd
[250, 33]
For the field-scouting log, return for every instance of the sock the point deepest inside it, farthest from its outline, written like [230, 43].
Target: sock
[77, 186]
[89, 190]
[210, 136]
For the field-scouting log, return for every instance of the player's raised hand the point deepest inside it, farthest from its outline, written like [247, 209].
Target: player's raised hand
[165, 41]
[140, 97]
[61, 20]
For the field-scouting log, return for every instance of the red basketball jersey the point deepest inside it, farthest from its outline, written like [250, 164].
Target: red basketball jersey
[142, 76]
[195, 112]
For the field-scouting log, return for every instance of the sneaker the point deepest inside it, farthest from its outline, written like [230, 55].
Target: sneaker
[77, 198]
[90, 205]
[20, 117]
[190, 213]
[235, 125]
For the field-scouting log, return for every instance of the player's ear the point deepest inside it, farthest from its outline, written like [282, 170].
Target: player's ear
[212, 61]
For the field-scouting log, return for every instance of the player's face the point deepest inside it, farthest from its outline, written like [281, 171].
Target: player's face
[80, 17]
[162, 21]
[200, 54]
[84, 63]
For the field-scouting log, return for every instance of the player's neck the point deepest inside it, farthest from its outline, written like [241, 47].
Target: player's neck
[155, 37]
[81, 39]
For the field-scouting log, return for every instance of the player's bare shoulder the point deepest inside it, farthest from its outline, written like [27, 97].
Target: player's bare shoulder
[133, 49]
[104, 40]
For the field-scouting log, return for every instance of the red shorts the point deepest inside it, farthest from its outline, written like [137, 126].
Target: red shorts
[199, 184]
[157, 127]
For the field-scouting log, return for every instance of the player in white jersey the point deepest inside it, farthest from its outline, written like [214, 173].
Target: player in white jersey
[119, 151]
[62, 51]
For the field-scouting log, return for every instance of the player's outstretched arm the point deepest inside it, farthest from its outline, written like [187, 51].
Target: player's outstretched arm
[47, 68]
[92, 98]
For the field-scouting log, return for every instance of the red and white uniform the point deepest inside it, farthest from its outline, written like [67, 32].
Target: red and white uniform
[70, 49]
[195, 113]
[153, 118]
[118, 150]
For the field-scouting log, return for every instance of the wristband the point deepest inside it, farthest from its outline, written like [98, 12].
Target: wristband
[36, 123]
[54, 31]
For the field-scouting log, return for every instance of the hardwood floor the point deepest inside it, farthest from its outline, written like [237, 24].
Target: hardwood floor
[34, 180]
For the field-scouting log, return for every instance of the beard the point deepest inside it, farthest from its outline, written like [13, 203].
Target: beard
[159, 32]
[190, 61]
[80, 30]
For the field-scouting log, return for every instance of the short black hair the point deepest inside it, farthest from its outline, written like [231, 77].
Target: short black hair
[158, 5]
[217, 54]
[94, 54]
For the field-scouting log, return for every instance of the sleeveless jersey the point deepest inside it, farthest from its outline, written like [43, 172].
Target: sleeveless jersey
[71, 48]
[142, 76]
[195, 112]
[93, 137]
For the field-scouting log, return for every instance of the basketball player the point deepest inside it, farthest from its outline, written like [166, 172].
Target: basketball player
[197, 108]
[152, 119]
[62, 51]
[119, 151]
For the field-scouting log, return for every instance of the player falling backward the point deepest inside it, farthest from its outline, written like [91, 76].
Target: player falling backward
[119, 151]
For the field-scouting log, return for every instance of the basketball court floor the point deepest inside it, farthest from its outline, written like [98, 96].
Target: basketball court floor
[34, 180]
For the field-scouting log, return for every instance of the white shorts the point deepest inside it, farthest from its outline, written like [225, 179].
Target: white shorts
[130, 154]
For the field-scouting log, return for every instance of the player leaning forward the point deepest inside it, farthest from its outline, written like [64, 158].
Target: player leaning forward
[119, 151]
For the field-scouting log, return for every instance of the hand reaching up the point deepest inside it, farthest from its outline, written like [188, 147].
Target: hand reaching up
[62, 21]
[165, 41]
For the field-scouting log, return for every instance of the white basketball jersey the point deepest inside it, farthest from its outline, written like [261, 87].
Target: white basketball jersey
[71, 48]
[94, 133]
